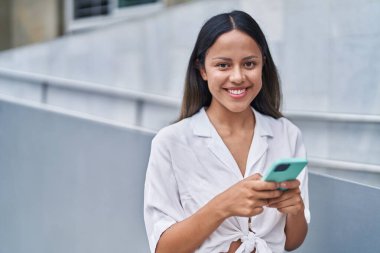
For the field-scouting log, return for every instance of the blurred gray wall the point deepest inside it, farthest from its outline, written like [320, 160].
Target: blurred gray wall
[69, 184]
[344, 217]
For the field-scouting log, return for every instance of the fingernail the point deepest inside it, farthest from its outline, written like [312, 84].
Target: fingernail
[283, 185]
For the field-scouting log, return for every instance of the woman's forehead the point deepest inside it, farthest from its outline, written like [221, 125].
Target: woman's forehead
[234, 43]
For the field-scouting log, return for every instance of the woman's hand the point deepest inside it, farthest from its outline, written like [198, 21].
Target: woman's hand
[290, 202]
[247, 197]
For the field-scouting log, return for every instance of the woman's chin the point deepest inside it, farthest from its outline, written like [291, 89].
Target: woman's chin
[238, 108]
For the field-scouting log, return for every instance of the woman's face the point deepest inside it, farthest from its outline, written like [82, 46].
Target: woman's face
[233, 69]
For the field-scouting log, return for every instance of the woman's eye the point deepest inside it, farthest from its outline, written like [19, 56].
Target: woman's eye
[250, 65]
[222, 65]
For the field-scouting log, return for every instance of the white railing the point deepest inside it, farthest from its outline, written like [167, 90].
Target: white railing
[45, 82]
[49, 81]
[342, 165]
[333, 117]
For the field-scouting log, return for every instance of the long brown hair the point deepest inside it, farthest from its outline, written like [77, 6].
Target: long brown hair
[196, 93]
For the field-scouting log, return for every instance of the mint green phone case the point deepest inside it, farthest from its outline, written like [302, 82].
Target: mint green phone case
[285, 170]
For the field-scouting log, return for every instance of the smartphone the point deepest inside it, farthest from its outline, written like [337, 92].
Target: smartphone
[285, 170]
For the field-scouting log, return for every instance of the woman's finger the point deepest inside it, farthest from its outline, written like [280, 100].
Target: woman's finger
[287, 203]
[293, 184]
[259, 185]
[289, 194]
[267, 194]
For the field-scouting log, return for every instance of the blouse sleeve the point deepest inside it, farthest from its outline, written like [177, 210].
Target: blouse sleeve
[162, 206]
[303, 177]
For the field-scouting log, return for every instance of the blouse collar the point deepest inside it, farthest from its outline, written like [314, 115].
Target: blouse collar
[202, 125]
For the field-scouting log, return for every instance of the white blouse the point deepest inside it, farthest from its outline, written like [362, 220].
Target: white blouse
[189, 165]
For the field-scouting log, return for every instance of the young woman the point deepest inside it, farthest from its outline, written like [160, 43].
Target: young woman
[203, 189]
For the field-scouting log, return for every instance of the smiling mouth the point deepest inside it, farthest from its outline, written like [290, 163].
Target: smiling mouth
[237, 92]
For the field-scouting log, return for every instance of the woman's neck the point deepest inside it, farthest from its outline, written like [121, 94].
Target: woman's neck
[231, 122]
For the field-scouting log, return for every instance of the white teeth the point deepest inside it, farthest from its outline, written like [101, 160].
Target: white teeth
[236, 92]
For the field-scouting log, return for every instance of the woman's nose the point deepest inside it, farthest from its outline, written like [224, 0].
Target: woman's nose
[237, 75]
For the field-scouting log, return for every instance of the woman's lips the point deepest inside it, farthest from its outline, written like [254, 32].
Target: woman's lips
[237, 93]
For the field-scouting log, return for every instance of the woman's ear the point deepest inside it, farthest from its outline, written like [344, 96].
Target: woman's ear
[201, 69]
[203, 73]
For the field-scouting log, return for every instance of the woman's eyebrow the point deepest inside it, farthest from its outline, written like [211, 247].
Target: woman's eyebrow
[222, 58]
[251, 57]
[229, 59]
